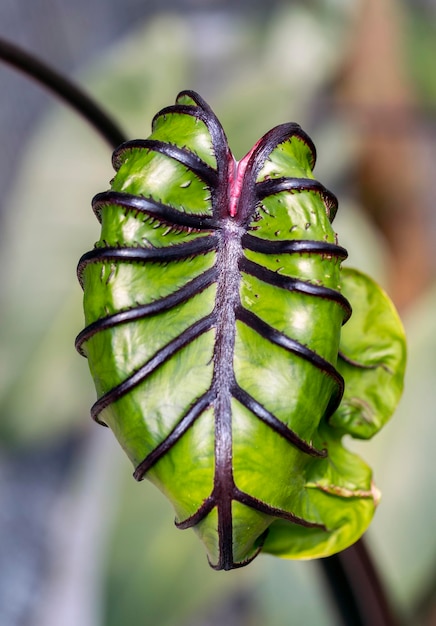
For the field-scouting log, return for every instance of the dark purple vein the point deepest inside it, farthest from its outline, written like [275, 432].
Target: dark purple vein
[163, 355]
[293, 246]
[271, 420]
[237, 565]
[201, 245]
[277, 185]
[227, 301]
[295, 284]
[181, 109]
[149, 206]
[200, 405]
[262, 507]
[293, 346]
[199, 515]
[194, 287]
[182, 155]
[201, 110]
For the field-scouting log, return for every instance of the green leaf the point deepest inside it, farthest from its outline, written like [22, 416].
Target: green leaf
[214, 312]
[372, 358]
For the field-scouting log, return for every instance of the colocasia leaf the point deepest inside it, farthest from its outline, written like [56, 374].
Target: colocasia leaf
[214, 304]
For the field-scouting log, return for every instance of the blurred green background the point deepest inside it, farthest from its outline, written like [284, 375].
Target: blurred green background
[81, 542]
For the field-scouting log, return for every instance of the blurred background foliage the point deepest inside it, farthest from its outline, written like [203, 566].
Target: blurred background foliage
[81, 542]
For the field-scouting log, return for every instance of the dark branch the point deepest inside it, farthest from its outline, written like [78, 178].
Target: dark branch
[357, 589]
[63, 89]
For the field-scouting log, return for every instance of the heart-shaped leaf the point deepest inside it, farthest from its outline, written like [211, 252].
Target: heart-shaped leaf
[214, 311]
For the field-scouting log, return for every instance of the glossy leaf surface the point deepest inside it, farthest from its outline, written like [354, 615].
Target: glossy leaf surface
[214, 309]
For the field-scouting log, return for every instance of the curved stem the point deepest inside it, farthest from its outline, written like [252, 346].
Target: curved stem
[357, 588]
[63, 89]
